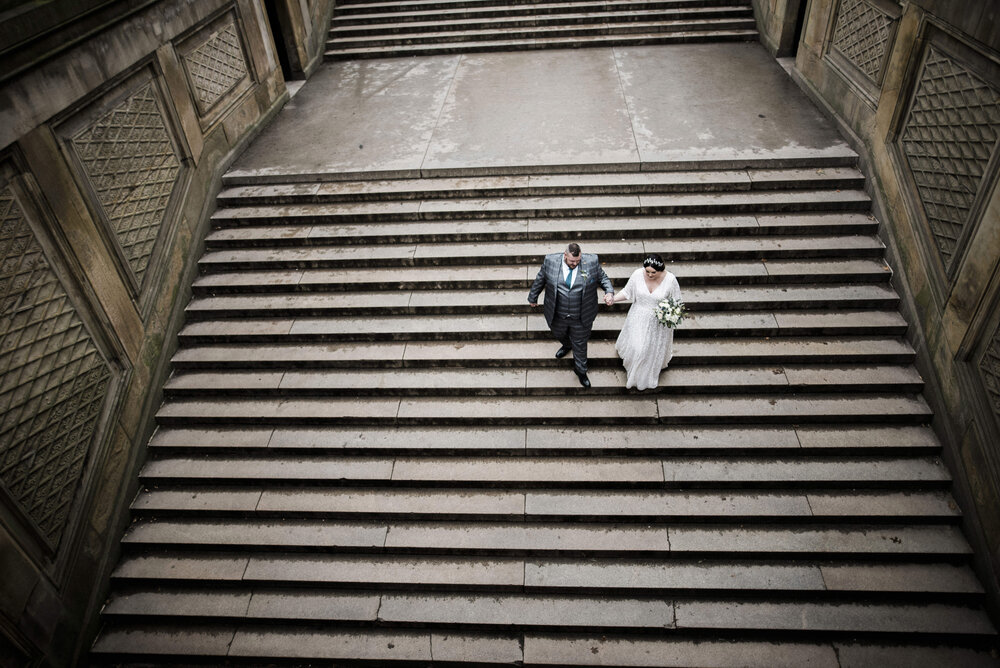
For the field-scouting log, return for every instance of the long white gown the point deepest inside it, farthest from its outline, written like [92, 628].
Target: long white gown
[645, 345]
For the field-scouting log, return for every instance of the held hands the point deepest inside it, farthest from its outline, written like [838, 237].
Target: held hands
[609, 298]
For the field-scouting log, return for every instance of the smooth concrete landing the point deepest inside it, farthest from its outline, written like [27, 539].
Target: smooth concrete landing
[628, 106]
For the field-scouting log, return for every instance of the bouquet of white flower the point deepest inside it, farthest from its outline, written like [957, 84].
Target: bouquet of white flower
[670, 312]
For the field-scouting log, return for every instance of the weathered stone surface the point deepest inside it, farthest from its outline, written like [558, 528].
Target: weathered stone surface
[900, 577]
[441, 502]
[247, 468]
[325, 606]
[245, 533]
[663, 504]
[528, 538]
[181, 602]
[485, 649]
[849, 617]
[671, 575]
[384, 570]
[871, 540]
[310, 643]
[170, 566]
[648, 653]
[529, 469]
[527, 611]
[856, 655]
[158, 640]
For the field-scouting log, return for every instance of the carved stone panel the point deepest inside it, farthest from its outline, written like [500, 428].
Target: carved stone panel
[215, 60]
[133, 168]
[53, 381]
[862, 35]
[948, 139]
[216, 65]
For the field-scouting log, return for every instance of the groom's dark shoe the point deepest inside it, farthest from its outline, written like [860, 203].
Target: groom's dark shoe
[583, 378]
[562, 352]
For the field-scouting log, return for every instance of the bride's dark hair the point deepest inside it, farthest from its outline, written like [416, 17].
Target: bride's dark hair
[655, 261]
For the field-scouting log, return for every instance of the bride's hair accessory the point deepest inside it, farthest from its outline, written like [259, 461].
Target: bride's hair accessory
[655, 261]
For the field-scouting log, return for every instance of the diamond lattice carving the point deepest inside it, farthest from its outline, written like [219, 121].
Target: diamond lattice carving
[862, 35]
[53, 381]
[989, 367]
[217, 65]
[948, 138]
[129, 158]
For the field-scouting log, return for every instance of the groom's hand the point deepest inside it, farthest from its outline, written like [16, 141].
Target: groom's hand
[532, 304]
[609, 298]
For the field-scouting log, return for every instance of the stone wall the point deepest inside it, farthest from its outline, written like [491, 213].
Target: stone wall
[117, 120]
[916, 87]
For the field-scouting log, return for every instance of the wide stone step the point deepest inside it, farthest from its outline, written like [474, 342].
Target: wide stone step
[736, 272]
[388, 26]
[527, 184]
[469, 329]
[539, 382]
[454, 302]
[595, 27]
[169, 498]
[532, 252]
[841, 579]
[892, 408]
[603, 41]
[352, 8]
[646, 228]
[545, 472]
[413, 10]
[241, 641]
[475, 354]
[882, 440]
[574, 206]
[544, 538]
[512, 611]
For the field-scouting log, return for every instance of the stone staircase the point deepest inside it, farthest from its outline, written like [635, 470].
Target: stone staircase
[367, 452]
[366, 29]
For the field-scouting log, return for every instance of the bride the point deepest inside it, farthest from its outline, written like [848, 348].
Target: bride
[645, 345]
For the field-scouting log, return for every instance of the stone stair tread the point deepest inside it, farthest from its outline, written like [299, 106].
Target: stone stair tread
[551, 574]
[586, 471]
[456, 537]
[848, 322]
[416, 11]
[218, 641]
[528, 380]
[432, 231]
[716, 574]
[538, 439]
[353, 7]
[670, 409]
[790, 349]
[870, 407]
[609, 650]
[674, 249]
[424, 187]
[596, 26]
[697, 298]
[560, 205]
[341, 29]
[492, 504]
[929, 618]
[717, 35]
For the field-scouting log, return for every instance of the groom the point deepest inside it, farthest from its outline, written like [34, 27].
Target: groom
[570, 282]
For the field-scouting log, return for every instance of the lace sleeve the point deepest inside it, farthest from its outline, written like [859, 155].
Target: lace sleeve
[628, 292]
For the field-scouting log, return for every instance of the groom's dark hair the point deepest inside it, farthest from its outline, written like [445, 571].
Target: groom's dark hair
[573, 249]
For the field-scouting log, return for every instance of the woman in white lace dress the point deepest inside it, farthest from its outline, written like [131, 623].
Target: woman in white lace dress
[645, 345]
